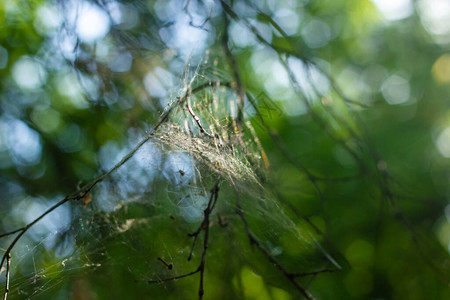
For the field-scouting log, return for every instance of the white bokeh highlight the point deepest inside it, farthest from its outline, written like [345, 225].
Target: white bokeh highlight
[443, 142]
[395, 9]
[435, 18]
[23, 142]
[396, 90]
[90, 22]
[28, 73]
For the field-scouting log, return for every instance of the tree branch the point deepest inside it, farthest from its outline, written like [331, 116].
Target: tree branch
[8, 265]
[254, 241]
[83, 191]
[237, 77]
[205, 227]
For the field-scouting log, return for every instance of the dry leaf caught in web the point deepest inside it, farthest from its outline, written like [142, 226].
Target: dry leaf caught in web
[86, 200]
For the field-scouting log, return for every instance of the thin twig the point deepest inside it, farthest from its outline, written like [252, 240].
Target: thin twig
[295, 210]
[282, 147]
[314, 273]
[205, 227]
[11, 232]
[195, 235]
[237, 77]
[254, 241]
[191, 18]
[383, 176]
[173, 278]
[8, 266]
[229, 11]
[295, 162]
[319, 119]
[169, 266]
[290, 50]
[197, 119]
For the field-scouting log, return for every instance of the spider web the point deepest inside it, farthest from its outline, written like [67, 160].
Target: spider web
[190, 205]
[139, 223]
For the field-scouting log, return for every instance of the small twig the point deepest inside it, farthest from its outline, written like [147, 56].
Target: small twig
[8, 267]
[11, 232]
[292, 50]
[240, 91]
[314, 273]
[162, 280]
[282, 147]
[197, 119]
[195, 235]
[322, 123]
[191, 18]
[343, 178]
[169, 266]
[295, 210]
[254, 241]
[7, 256]
[211, 204]
[205, 227]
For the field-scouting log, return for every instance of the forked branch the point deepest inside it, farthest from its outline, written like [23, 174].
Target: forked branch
[204, 226]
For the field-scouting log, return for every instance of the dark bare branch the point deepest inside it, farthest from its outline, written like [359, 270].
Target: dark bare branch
[204, 226]
[254, 241]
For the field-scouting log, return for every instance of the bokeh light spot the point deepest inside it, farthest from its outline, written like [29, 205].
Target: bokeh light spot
[441, 69]
[316, 33]
[394, 10]
[395, 90]
[92, 23]
[29, 74]
[434, 15]
[24, 143]
[443, 142]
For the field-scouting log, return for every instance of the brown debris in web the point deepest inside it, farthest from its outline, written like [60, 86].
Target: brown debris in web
[226, 161]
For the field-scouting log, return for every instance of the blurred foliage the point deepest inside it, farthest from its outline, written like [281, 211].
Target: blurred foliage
[339, 107]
